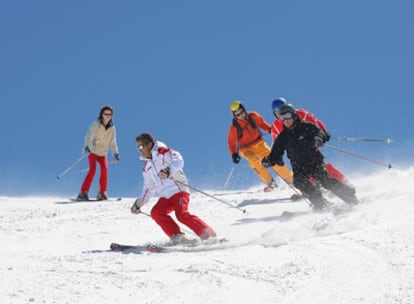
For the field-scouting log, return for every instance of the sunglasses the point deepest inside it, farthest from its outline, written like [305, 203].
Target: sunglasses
[285, 116]
[239, 114]
[107, 114]
[140, 147]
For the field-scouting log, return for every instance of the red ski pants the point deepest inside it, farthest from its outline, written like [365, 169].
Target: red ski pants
[103, 180]
[178, 203]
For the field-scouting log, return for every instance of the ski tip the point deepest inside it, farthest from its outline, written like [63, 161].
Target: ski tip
[286, 214]
[114, 246]
[154, 248]
[120, 247]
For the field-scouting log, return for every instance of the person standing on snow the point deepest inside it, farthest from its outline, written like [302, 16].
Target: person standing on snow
[277, 127]
[245, 139]
[302, 141]
[100, 137]
[163, 175]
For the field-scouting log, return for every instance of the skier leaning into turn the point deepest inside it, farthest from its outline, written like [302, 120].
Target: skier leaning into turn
[302, 142]
[163, 175]
[305, 115]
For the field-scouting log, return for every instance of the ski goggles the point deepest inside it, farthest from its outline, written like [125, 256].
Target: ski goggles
[276, 112]
[285, 116]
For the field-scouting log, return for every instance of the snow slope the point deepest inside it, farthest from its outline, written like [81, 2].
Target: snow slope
[58, 252]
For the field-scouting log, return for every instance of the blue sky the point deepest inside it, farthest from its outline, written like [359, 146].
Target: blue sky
[174, 67]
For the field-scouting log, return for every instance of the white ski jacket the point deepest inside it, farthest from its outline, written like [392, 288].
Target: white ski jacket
[163, 157]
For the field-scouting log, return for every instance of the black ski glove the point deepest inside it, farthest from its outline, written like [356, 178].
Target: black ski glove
[266, 162]
[87, 150]
[136, 207]
[328, 136]
[317, 142]
[236, 158]
[116, 156]
[164, 173]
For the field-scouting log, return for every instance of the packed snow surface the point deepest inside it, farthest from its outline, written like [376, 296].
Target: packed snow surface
[56, 251]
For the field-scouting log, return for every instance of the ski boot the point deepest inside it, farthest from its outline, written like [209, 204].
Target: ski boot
[102, 196]
[270, 186]
[83, 196]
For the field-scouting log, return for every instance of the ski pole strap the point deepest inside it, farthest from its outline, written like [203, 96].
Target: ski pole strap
[389, 166]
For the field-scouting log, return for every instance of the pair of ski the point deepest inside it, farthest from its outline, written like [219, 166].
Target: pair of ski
[95, 200]
[92, 200]
[197, 245]
[136, 248]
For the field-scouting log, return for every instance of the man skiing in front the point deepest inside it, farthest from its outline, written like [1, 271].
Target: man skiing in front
[163, 174]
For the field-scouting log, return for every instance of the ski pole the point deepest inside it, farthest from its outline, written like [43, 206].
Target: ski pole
[212, 196]
[387, 140]
[144, 213]
[389, 166]
[72, 165]
[228, 177]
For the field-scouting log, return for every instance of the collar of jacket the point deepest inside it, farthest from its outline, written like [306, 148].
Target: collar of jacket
[154, 150]
[108, 125]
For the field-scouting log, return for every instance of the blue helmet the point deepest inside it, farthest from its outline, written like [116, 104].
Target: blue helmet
[278, 103]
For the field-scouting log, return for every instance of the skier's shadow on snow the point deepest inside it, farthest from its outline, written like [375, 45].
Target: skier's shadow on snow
[264, 202]
[262, 219]
[279, 218]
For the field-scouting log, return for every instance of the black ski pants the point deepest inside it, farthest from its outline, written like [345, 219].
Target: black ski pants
[301, 179]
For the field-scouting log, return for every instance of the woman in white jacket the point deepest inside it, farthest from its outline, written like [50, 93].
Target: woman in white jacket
[163, 175]
[100, 137]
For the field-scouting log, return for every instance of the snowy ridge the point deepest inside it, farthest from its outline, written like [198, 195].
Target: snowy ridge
[59, 253]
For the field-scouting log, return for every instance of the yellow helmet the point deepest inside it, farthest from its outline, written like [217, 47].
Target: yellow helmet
[236, 105]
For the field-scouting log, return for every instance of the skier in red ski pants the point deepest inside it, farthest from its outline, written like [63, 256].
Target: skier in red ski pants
[163, 174]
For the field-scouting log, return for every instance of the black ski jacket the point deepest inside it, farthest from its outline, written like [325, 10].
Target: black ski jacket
[299, 143]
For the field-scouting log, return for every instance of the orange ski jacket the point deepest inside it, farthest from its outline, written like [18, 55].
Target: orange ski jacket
[250, 132]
